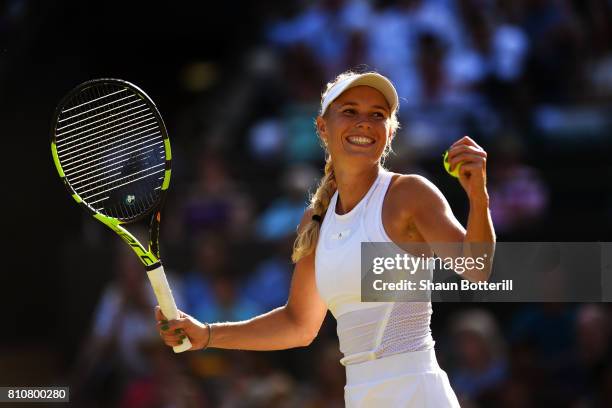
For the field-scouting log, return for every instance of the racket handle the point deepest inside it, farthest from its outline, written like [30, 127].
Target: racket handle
[166, 301]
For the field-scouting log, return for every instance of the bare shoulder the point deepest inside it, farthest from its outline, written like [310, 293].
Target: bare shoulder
[415, 191]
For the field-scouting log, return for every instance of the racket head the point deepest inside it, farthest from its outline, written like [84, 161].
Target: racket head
[110, 146]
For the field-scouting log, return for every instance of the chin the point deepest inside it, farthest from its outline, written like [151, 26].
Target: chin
[363, 158]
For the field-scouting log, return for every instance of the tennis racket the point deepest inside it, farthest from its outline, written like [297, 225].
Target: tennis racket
[111, 149]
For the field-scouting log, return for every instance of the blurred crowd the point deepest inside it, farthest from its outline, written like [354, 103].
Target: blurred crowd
[516, 75]
[538, 355]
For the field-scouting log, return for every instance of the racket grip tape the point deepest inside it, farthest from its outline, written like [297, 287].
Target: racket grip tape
[166, 301]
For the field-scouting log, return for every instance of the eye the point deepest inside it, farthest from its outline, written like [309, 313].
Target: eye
[379, 115]
[349, 111]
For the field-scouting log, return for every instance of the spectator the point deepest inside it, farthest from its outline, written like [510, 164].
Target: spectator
[481, 357]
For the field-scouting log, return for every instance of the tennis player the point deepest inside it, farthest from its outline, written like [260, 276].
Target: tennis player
[388, 348]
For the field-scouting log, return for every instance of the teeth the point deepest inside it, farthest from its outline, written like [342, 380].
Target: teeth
[360, 140]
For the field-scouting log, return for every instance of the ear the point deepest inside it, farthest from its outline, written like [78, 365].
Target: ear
[322, 129]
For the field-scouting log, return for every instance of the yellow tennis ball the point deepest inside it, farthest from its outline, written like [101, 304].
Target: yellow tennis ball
[454, 173]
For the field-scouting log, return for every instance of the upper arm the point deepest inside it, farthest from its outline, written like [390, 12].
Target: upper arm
[305, 305]
[430, 212]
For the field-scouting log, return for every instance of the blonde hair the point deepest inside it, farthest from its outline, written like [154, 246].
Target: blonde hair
[308, 236]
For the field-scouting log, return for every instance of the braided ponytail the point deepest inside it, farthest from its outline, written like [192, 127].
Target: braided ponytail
[308, 237]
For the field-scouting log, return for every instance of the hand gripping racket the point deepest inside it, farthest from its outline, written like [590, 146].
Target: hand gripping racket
[112, 151]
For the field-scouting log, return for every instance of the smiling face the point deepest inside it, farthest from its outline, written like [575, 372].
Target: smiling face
[356, 127]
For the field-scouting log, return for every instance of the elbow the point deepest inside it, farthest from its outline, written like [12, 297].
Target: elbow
[478, 275]
[302, 333]
[307, 337]
[483, 276]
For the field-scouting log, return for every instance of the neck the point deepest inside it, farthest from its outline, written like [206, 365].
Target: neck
[353, 185]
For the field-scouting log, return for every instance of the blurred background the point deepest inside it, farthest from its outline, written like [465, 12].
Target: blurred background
[238, 85]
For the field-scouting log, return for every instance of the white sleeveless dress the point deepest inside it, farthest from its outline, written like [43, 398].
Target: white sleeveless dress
[387, 346]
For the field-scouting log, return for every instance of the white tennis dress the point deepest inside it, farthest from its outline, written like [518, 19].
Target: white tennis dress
[388, 349]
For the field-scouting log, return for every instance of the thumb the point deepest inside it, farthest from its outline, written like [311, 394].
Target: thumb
[184, 315]
[181, 323]
[159, 315]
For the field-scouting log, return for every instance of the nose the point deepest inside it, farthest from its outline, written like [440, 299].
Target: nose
[363, 122]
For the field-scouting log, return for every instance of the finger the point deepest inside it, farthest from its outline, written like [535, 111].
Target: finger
[182, 314]
[465, 140]
[465, 149]
[173, 325]
[470, 169]
[466, 158]
[172, 337]
[173, 341]
[159, 315]
[164, 327]
[168, 334]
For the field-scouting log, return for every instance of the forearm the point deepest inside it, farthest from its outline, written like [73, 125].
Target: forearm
[275, 330]
[479, 241]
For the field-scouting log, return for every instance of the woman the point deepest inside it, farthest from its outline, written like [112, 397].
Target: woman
[388, 348]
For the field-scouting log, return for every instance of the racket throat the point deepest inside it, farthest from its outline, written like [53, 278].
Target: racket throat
[153, 266]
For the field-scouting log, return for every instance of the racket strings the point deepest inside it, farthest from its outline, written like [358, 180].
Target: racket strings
[110, 146]
[106, 131]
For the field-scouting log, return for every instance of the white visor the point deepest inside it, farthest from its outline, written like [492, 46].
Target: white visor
[371, 79]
